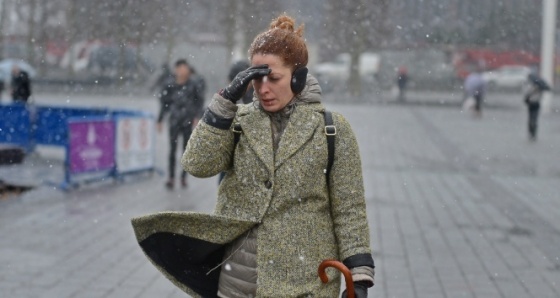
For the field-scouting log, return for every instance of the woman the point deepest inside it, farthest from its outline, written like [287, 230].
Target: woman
[277, 216]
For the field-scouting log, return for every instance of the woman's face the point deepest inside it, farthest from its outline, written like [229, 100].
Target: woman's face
[273, 91]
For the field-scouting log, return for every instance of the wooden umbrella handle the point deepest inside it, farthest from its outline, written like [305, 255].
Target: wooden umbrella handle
[342, 268]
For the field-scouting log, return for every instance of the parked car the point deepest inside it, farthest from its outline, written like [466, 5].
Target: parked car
[338, 71]
[510, 76]
[102, 59]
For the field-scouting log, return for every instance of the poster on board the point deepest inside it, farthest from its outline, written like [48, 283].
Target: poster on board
[91, 146]
[135, 146]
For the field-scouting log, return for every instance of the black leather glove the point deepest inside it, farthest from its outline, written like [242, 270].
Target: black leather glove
[238, 86]
[360, 290]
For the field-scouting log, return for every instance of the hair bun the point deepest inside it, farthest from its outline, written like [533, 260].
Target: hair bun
[287, 23]
[282, 40]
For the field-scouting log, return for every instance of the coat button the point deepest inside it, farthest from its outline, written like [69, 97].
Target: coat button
[268, 184]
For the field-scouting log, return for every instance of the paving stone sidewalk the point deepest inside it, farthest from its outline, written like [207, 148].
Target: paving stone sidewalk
[458, 207]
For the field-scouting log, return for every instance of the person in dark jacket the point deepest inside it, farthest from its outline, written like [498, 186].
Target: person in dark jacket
[199, 80]
[533, 96]
[402, 81]
[1, 88]
[21, 85]
[165, 78]
[183, 100]
[475, 87]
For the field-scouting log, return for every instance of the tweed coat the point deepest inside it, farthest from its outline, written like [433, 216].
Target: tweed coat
[301, 219]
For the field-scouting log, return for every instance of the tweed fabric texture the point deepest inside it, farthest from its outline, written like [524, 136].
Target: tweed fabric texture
[301, 221]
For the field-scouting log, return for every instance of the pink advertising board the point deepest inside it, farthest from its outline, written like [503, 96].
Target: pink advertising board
[91, 145]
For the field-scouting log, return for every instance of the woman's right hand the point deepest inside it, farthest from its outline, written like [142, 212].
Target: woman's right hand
[237, 88]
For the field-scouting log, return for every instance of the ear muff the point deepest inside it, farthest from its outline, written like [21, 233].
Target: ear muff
[299, 77]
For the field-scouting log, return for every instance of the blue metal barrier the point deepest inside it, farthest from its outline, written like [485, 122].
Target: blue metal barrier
[15, 126]
[128, 113]
[98, 142]
[52, 123]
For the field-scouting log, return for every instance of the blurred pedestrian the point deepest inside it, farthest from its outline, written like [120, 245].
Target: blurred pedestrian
[402, 81]
[533, 95]
[475, 89]
[199, 81]
[183, 100]
[2, 87]
[277, 179]
[21, 85]
[164, 79]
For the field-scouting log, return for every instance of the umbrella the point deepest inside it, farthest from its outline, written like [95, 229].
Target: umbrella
[345, 271]
[539, 82]
[6, 66]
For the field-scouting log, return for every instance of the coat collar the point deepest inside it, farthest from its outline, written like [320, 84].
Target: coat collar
[301, 127]
[256, 128]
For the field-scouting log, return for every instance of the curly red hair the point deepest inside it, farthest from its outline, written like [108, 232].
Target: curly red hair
[283, 40]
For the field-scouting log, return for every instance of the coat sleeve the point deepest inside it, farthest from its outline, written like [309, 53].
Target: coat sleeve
[210, 147]
[164, 102]
[348, 205]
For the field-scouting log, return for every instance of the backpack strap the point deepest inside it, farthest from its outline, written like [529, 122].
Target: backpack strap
[237, 131]
[330, 132]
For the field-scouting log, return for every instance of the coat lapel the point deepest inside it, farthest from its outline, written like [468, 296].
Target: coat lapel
[256, 128]
[301, 127]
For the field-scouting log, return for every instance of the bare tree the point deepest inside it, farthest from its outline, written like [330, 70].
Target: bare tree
[31, 30]
[230, 25]
[170, 31]
[355, 27]
[47, 31]
[3, 15]
[246, 17]
[71, 31]
[256, 16]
